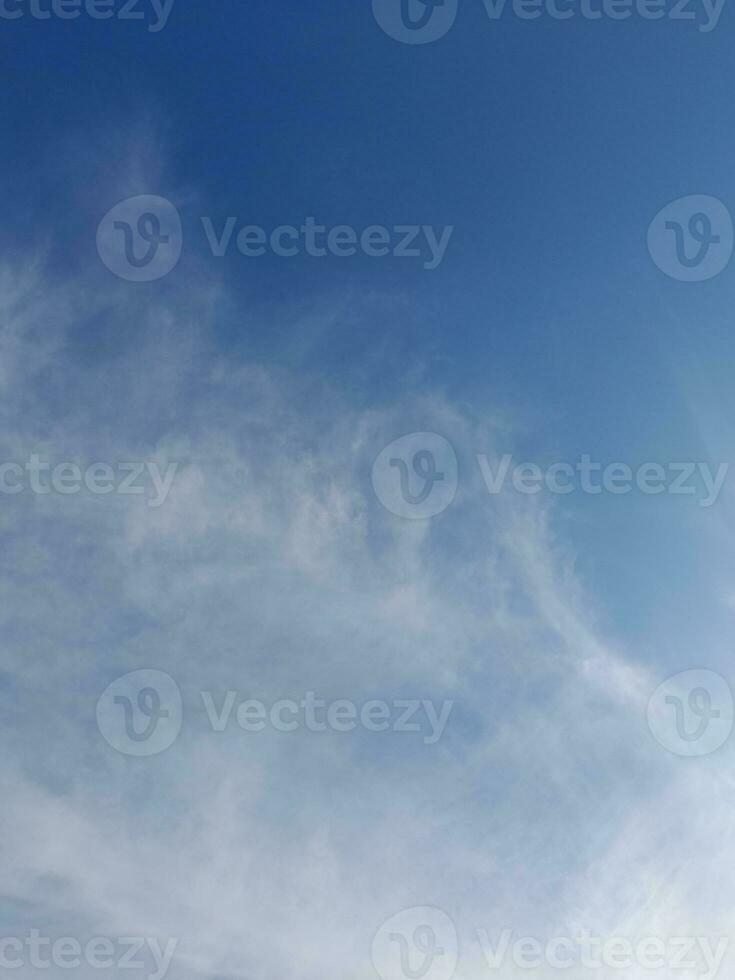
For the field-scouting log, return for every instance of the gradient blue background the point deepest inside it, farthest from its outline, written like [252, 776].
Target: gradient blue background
[548, 145]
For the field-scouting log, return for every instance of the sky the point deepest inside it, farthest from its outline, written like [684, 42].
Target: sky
[311, 318]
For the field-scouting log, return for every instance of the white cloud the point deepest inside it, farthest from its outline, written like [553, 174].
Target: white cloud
[272, 569]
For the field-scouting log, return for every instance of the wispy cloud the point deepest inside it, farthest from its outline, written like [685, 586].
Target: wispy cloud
[272, 569]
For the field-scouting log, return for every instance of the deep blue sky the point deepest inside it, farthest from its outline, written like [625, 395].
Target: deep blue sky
[276, 568]
[548, 145]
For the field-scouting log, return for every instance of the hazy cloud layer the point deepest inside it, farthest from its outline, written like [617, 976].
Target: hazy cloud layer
[273, 570]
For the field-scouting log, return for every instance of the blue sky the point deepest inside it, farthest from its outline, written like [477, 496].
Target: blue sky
[274, 567]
